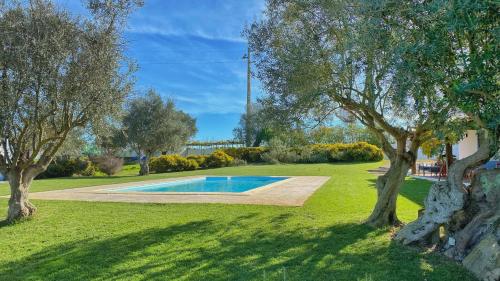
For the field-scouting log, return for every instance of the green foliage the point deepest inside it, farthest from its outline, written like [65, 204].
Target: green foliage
[453, 52]
[164, 163]
[322, 153]
[60, 73]
[67, 167]
[219, 159]
[90, 170]
[152, 125]
[349, 133]
[200, 160]
[177, 163]
[340, 152]
[279, 152]
[238, 162]
[248, 154]
[172, 163]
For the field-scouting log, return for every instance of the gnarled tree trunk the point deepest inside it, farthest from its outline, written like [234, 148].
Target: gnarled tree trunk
[445, 199]
[19, 205]
[144, 166]
[388, 186]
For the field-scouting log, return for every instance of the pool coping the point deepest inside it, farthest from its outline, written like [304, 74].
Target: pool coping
[293, 191]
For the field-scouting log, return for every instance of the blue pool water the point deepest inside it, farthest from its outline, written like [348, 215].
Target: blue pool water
[207, 184]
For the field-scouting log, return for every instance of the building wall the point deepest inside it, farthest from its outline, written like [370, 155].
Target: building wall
[468, 145]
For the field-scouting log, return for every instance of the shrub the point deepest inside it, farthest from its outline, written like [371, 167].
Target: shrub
[238, 162]
[200, 160]
[84, 167]
[184, 164]
[163, 164]
[66, 167]
[279, 152]
[108, 164]
[360, 151]
[61, 167]
[89, 171]
[248, 154]
[172, 163]
[219, 159]
[322, 153]
[308, 155]
[192, 165]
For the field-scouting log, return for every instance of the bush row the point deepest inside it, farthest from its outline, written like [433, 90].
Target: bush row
[247, 154]
[275, 153]
[176, 163]
[82, 166]
[317, 153]
[346, 152]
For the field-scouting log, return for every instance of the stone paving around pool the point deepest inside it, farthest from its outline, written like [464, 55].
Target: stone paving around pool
[293, 191]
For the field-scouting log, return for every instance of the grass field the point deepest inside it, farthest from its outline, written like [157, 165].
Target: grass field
[323, 240]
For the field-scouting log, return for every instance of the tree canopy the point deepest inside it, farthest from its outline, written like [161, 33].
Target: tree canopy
[57, 73]
[152, 125]
[316, 57]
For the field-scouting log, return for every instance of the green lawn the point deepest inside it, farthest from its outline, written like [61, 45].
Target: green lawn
[323, 240]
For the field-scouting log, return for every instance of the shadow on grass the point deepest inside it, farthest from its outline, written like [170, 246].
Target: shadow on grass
[4, 223]
[208, 250]
[415, 190]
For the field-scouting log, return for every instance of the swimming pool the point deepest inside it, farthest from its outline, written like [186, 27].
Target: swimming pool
[206, 184]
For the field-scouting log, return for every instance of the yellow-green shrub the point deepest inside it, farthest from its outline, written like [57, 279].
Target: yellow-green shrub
[359, 151]
[172, 163]
[200, 160]
[248, 154]
[219, 159]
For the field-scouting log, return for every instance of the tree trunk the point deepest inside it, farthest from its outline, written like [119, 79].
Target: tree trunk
[445, 199]
[19, 205]
[449, 155]
[481, 214]
[388, 187]
[144, 163]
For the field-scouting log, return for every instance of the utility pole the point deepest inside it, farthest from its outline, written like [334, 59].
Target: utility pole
[248, 139]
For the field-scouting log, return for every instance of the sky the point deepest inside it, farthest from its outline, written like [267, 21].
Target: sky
[191, 51]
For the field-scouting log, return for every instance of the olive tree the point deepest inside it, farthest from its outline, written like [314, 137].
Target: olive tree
[316, 56]
[456, 42]
[152, 125]
[57, 73]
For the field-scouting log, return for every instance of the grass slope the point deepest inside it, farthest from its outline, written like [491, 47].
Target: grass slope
[323, 240]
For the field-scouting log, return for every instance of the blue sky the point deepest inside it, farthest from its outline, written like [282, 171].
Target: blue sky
[191, 51]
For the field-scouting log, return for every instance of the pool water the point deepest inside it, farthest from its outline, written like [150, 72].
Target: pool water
[207, 184]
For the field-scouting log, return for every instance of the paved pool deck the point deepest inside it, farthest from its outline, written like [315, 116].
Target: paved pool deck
[293, 191]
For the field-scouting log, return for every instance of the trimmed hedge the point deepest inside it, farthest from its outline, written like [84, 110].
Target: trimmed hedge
[248, 154]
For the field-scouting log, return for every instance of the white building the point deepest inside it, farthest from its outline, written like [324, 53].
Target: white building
[468, 145]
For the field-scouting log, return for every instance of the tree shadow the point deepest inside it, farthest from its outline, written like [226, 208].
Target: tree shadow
[415, 190]
[4, 223]
[211, 250]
